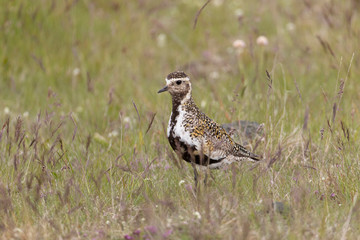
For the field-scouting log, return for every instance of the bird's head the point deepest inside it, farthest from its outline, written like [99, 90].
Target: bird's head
[178, 85]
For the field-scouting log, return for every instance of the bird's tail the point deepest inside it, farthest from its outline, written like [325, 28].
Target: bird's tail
[254, 157]
[243, 152]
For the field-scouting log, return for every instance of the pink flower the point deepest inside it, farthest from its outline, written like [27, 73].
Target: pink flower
[128, 237]
[151, 229]
[167, 233]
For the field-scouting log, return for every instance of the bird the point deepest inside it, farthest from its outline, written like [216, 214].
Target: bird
[195, 137]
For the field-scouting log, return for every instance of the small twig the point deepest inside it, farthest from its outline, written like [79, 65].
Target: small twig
[199, 12]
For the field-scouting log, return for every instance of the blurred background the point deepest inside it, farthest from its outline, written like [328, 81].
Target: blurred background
[96, 56]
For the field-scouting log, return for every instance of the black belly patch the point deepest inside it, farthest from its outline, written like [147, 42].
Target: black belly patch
[187, 152]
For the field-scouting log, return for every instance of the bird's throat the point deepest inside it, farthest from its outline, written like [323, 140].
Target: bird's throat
[180, 98]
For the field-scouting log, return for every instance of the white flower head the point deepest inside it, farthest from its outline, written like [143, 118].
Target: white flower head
[79, 109]
[203, 104]
[290, 26]
[113, 133]
[127, 119]
[262, 41]
[197, 215]
[214, 75]
[161, 40]
[76, 72]
[181, 182]
[239, 12]
[218, 3]
[7, 110]
[238, 43]
[168, 222]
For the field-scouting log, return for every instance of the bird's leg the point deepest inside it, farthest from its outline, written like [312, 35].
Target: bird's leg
[196, 175]
[206, 177]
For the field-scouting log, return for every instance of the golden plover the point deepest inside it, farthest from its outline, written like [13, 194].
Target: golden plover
[193, 135]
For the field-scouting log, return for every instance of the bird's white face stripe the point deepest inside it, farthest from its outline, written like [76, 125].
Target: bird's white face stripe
[168, 81]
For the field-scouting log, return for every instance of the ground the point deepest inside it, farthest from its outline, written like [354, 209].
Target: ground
[83, 148]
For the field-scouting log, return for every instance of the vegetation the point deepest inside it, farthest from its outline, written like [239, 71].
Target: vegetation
[83, 149]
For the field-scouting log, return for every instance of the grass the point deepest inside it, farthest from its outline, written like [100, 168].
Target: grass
[83, 149]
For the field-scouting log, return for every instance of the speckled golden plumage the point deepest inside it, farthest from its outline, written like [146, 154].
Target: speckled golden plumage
[194, 136]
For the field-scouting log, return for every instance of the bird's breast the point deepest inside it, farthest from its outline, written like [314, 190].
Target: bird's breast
[182, 129]
[179, 127]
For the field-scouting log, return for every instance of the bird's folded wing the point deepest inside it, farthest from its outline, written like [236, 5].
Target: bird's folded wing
[216, 155]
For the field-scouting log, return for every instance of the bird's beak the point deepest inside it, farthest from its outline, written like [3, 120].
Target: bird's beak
[164, 89]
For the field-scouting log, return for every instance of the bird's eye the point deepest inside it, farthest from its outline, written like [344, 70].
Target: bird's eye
[178, 82]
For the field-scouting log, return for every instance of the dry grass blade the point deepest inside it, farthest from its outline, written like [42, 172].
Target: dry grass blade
[39, 62]
[75, 129]
[306, 118]
[329, 126]
[111, 95]
[136, 110]
[148, 167]
[199, 12]
[89, 82]
[2, 130]
[297, 89]
[32, 142]
[322, 130]
[334, 112]
[7, 124]
[5, 200]
[151, 122]
[87, 145]
[345, 130]
[342, 82]
[309, 167]
[269, 79]
[345, 228]
[18, 126]
[32, 205]
[275, 157]
[326, 46]
[57, 128]
[341, 88]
